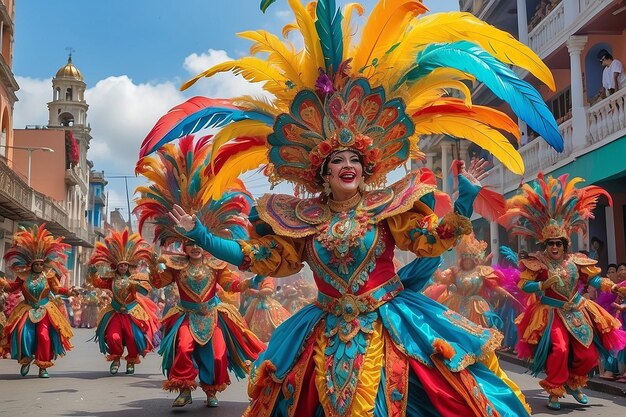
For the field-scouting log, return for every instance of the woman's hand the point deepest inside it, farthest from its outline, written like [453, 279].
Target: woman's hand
[478, 169]
[182, 219]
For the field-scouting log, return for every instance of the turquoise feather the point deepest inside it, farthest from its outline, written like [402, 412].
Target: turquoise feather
[210, 117]
[328, 25]
[265, 4]
[523, 98]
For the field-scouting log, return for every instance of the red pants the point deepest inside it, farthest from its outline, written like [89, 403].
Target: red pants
[118, 334]
[211, 360]
[43, 344]
[562, 342]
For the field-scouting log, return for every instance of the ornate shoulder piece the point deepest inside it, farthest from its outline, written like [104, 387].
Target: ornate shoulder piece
[582, 260]
[485, 270]
[214, 263]
[533, 263]
[396, 199]
[291, 216]
[175, 261]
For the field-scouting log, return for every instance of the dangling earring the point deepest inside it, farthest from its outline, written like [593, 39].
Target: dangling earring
[326, 186]
[362, 186]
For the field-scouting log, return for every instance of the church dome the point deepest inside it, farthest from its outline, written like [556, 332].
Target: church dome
[69, 71]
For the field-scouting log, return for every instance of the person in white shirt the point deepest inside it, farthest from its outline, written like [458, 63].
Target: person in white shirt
[613, 77]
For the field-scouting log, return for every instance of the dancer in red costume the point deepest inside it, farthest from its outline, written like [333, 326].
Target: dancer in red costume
[130, 319]
[36, 329]
[563, 331]
[203, 337]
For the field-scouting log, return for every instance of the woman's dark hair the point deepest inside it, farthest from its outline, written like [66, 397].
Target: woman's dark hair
[611, 266]
[595, 239]
[621, 264]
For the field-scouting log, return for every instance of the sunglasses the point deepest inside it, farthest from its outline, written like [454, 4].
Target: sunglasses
[556, 243]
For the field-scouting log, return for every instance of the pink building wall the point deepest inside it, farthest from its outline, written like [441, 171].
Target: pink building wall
[47, 173]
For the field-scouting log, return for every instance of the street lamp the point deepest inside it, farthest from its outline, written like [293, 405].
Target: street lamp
[30, 150]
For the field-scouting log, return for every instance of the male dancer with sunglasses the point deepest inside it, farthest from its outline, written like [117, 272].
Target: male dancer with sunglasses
[562, 331]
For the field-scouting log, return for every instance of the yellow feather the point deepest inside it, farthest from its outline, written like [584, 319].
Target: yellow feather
[279, 54]
[237, 129]
[313, 58]
[253, 158]
[346, 29]
[262, 104]
[385, 27]
[250, 68]
[288, 28]
[455, 26]
[474, 130]
[440, 78]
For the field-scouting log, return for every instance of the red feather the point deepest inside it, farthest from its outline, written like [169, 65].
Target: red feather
[490, 204]
[174, 116]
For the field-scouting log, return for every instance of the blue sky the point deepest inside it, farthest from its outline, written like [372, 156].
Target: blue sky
[133, 55]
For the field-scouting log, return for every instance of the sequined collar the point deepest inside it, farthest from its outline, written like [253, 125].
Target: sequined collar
[345, 205]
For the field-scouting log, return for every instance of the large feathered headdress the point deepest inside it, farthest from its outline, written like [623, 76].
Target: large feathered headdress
[121, 247]
[37, 244]
[470, 247]
[552, 208]
[375, 92]
[178, 175]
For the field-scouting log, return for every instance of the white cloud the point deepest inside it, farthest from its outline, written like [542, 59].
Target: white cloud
[31, 109]
[222, 85]
[121, 113]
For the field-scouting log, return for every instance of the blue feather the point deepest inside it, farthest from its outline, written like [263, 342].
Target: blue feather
[210, 117]
[509, 255]
[328, 25]
[524, 100]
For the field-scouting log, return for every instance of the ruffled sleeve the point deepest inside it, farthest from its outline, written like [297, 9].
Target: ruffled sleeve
[278, 256]
[420, 231]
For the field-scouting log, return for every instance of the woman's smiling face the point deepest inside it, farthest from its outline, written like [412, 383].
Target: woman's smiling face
[344, 174]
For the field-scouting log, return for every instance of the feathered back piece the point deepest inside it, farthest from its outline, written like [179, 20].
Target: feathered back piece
[470, 247]
[552, 208]
[178, 174]
[121, 247]
[36, 243]
[375, 92]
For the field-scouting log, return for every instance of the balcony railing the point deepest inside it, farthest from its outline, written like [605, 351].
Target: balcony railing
[606, 123]
[607, 118]
[562, 21]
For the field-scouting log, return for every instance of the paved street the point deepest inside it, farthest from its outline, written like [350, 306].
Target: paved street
[80, 385]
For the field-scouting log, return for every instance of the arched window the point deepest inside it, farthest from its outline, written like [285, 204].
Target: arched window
[68, 94]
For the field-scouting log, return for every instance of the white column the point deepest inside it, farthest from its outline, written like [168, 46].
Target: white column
[611, 247]
[446, 161]
[522, 22]
[523, 130]
[575, 45]
[495, 242]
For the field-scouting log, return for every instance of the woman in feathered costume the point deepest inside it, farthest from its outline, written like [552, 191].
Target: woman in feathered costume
[264, 313]
[471, 284]
[36, 329]
[343, 115]
[563, 331]
[130, 320]
[202, 336]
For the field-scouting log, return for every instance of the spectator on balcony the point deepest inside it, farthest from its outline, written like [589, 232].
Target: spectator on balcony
[613, 77]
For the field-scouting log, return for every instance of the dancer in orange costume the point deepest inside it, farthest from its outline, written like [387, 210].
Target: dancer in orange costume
[36, 329]
[264, 313]
[130, 319]
[563, 331]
